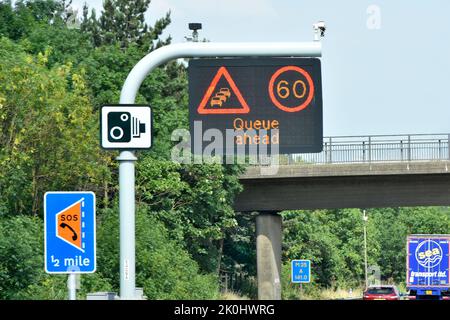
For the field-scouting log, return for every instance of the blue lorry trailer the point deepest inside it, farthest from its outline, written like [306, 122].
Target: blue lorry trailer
[427, 266]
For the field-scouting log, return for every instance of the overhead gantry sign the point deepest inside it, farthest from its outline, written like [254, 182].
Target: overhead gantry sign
[194, 50]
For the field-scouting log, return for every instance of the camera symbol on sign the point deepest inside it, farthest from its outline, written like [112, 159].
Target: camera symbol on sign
[122, 127]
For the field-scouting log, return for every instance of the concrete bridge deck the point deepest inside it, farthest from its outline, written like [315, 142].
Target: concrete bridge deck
[349, 185]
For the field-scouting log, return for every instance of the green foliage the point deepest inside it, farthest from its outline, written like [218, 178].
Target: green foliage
[44, 11]
[333, 241]
[20, 20]
[54, 287]
[54, 78]
[193, 201]
[63, 45]
[239, 252]
[164, 269]
[48, 137]
[17, 22]
[54, 81]
[391, 227]
[123, 23]
[21, 263]
[308, 235]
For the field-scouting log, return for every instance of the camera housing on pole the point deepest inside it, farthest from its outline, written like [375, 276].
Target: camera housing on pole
[319, 30]
[195, 27]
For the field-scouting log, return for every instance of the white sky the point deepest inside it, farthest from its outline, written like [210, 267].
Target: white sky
[391, 80]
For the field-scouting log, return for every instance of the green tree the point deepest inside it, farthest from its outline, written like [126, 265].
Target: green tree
[194, 202]
[17, 21]
[163, 268]
[393, 225]
[308, 235]
[123, 22]
[22, 273]
[20, 19]
[55, 79]
[48, 137]
[62, 44]
[90, 26]
[347, 226]
[21, 262]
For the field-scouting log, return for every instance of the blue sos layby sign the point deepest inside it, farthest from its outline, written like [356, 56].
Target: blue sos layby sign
[428, 261]
[69, 232]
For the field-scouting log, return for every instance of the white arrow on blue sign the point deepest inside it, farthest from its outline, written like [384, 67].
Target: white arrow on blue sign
[69, 220]
[301, 271]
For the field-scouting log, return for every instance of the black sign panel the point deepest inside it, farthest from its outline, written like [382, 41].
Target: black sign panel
[279, 98]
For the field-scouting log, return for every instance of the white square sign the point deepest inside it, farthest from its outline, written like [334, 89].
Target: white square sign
[126, 127]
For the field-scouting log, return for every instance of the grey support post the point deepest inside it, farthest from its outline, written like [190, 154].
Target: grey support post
[72, 286]
[268, 255]
[127, 225]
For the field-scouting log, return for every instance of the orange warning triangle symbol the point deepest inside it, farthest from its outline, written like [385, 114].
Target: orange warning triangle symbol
[68, 225]
[221, 95]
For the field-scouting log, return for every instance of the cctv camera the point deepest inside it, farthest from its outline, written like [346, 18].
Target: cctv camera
[320, 26]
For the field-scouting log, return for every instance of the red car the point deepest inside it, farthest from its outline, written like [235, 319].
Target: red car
[382, 292]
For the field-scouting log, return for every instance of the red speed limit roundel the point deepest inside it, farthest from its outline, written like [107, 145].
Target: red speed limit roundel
[301, 89]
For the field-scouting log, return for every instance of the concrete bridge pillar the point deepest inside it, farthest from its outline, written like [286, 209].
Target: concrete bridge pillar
[268, 255]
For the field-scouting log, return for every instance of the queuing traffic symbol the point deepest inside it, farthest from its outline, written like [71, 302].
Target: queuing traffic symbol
[226, 99]
[69, 219]
[126, 127]
[301, 271]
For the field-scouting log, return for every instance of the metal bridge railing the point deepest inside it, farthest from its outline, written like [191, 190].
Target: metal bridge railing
[377, 148]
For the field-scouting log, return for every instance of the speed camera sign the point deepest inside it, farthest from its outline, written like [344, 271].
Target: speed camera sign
[126, 127]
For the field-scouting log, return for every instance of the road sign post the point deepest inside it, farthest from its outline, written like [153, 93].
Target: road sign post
[126, 127]
[128, 95]
[72, 286]
[127, 224]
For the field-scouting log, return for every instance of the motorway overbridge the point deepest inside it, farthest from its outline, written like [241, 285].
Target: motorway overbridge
[354, 172]
[350, 172]
[329, 186]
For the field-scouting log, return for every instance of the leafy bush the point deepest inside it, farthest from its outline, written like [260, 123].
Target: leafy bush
[21, 252]
[163, 268]
[22, 273]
